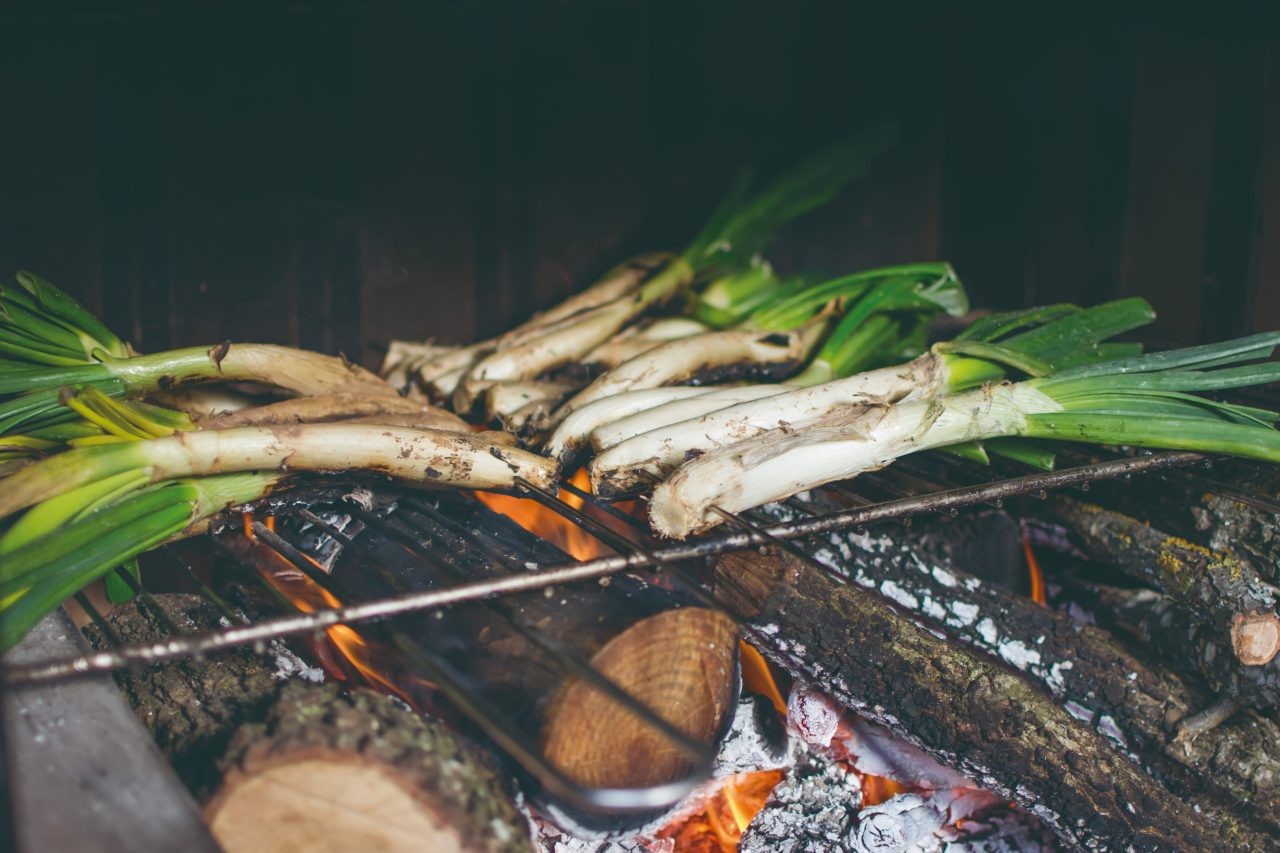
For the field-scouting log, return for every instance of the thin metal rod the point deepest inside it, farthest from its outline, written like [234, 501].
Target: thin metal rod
[95, 616]
[589, 570]
[205, 590]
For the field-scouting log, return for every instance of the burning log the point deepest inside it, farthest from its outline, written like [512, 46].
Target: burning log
[964, 709]
[1135, 704]
[357, 771]
[1226, 593]
[677, 660]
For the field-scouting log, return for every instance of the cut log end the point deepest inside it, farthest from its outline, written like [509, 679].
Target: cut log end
[332, 771]
[679, 663]
[363, 806]
[1255, 637]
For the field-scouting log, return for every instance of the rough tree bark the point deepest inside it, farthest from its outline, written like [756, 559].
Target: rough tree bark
[1227, 593]
[333, 771]
[966, 710]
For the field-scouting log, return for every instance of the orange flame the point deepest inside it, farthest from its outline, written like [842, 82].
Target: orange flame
[1033, 569]
[308, 596]
[552, 526]
[877, 789]
[757, 677]
[718, 826]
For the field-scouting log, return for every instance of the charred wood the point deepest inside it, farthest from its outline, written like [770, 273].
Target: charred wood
[329, 771]
[973, 714]
[1227, 594]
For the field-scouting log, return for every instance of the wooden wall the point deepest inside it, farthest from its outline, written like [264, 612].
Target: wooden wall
[335, 174]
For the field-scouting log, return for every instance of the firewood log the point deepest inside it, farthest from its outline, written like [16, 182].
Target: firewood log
[333, 771]
[1227, 594]
[192, 707]
[1130, 698]
[968, 711]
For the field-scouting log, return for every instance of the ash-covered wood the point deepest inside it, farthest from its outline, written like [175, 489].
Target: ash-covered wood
[192, 707]
[676, 658]
[1227, 593]
[333, 771]
[987, 722]
[1134, 700]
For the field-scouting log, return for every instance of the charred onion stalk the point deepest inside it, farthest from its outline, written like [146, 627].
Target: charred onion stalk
[733, 234]
[1144, 401]
[781, 336]
[636, 451]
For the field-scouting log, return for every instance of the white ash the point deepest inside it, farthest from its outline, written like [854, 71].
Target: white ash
[876, 751]
[289, 665]
[1007, 831]
[755, 740]
[810, 811]
[916, 823]
[813, 716]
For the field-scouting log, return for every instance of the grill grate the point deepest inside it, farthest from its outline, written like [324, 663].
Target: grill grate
[915, 488]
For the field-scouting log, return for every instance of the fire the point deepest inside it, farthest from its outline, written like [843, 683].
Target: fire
[308, 596]
[757, 677]
[877, 789]
[1033, 569]
[552, 526]
[718, 826]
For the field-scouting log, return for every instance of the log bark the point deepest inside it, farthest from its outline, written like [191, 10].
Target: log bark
[1193, 505]
[966, 710]
[191, 708]
[1127, 697]
[675, 658]
[328, 771]
[1175, 634]
[1228, 595]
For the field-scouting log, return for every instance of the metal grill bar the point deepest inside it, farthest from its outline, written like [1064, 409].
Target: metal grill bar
[306, 623]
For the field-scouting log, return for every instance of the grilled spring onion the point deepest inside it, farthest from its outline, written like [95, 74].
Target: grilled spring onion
[1144, 401]
[786, 332]
[1060, 337]
[733, 234]
[419, 456]
[62, 544]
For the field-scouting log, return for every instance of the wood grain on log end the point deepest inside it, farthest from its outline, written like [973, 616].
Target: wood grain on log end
[330, 771]
[680, 663]
[1255, 637]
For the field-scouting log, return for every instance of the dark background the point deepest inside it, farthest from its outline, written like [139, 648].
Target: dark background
[333, 175]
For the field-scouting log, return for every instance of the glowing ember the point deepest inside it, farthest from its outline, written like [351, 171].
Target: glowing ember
[552, 526]
[718, 826]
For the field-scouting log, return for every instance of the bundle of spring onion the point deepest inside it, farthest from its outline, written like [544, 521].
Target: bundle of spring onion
[49, 341]
[1142, 401]
[733, 234]
[643, 448]
[873, 317]
[853, 317]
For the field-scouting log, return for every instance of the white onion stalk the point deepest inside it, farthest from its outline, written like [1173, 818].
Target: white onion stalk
[632, 464]
[641, 338]
[677, 361]
[614, 285]
[418, 456]
[503, 399]
[607, 435]
[573, 432]
[781, 463]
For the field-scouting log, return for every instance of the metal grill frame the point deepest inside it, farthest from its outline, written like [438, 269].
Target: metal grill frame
[739, 533]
